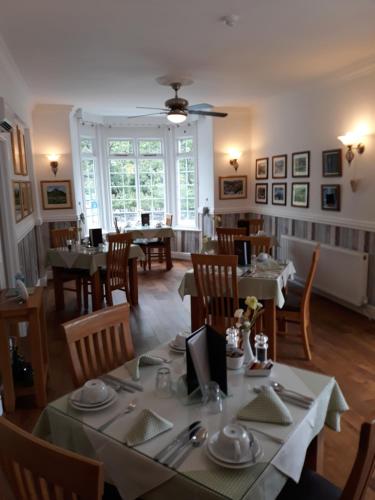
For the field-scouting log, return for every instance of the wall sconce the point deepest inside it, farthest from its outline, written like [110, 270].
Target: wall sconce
[233, 158]
[352, 141]
[54, 162]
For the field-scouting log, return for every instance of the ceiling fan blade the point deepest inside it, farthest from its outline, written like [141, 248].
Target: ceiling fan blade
[148, 107]
[147, 114]
[201, 106]
[208, 113]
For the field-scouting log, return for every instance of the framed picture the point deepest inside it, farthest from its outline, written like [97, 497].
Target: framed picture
[300, 194]
[17, 169]
[233, 187]
[56, 195]
[279, 194]
[279, 166]
[301, 164]
[261, 193]
[30, 197]
[331, 197]
[17, 201]
[22, 150]
[332, 163]
[261, 168]
[25, 199]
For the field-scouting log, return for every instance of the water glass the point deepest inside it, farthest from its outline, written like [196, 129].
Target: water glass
[163, 384]
[69, 244]
[212, 398]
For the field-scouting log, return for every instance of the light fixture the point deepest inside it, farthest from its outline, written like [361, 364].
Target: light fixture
[177, 116]
[54, 162]
[234, 155]
[352, 141]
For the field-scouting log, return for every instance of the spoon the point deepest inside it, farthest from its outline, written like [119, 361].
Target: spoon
[131, 406]
[196, 440]
[280, 388]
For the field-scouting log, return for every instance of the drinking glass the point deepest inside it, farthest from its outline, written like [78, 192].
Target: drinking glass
[69, 244]
[212, 398]
[163, 383]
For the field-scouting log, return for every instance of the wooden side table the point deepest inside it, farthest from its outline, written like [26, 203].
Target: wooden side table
[11, 313]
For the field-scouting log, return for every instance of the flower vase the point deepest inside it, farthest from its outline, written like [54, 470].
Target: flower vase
[246, 346]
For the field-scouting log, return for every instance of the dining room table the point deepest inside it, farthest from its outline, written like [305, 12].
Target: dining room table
[146, 233]
[267, 283]
[134, 469]
[90, 260]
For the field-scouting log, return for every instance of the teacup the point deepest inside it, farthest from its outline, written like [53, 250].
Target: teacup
[180, 340]
[233, 442]
[94, 391]
[235, 358]
[262, 257]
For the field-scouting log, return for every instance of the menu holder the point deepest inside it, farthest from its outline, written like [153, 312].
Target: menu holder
[96, 237]
[243, 250]
[206, 359]
[145, 219]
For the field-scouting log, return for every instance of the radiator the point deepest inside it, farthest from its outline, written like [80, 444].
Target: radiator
[341, 273]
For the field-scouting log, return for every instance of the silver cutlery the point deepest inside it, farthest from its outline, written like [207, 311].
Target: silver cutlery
[125, 382]
[115, 385]
[196, 440]
[165, 360]
[131, 406]
[281, 389]
[181, 438]
[290, 399]
[269, 436]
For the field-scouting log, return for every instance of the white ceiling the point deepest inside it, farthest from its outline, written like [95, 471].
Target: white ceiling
[104, 55]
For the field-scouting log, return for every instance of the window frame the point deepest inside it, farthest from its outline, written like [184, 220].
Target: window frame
[94, 157]
[178, 156]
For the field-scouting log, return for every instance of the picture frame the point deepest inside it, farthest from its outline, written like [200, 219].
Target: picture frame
[300, 194]
[25, 199]
[17, 169]
[30, 197]
[261, 193]
[233, 187]
[279, 166]
[22, 150]
[261, 168]
[301, 164]
[331, 194]
[56, 195]
[17, 201]
[332, 163]
[279, 191]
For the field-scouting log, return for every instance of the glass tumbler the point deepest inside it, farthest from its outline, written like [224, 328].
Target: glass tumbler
[163, 384]
[212, 398]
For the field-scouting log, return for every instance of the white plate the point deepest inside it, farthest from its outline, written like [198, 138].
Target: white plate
[176, 348]
[112, 397]
[222, 458]
[228, 465]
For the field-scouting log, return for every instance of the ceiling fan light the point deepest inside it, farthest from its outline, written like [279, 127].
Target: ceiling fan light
[177, 116]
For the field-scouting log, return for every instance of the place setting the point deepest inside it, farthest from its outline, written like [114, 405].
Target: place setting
[94, 395]
[178, 344]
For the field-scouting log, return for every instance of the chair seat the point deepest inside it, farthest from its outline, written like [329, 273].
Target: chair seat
[311, 486]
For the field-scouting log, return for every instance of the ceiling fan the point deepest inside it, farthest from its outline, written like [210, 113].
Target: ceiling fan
[177, 109]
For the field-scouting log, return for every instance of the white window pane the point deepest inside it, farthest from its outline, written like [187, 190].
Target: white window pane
[185, 145]
[150, 147]
[121, 147]
[87, 146]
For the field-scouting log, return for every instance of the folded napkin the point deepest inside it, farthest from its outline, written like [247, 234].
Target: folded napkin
[134, 365]
[266, 407]
[147, 425]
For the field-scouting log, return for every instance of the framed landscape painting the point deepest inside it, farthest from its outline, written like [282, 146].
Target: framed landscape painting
[300, 194]
[233, 187]
[332, 163]
[25, 202]
[279, 194]
[17, 168]
[17, 201]
[261, 193]
[56, 195]
[279, 166]
[331, 197]
[301, 164]
[261, 168]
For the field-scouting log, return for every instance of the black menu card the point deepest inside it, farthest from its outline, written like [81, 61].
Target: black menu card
[243, 250]
[96, 237]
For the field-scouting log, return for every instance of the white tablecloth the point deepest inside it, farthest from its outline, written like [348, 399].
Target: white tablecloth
[135, 473]
[150, 232]
[264, 284]
[212, 245]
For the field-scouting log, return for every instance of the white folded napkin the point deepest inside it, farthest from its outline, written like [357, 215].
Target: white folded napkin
[266, 407]
[147, 425]
[134, 365]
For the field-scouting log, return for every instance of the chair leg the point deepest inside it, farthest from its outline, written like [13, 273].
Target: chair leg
[86, 295]
[305, 339]
[79, 293]
[281, 325]
[108, 295]
[149, 259]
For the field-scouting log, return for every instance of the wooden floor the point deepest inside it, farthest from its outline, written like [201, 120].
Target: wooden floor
[343, 346]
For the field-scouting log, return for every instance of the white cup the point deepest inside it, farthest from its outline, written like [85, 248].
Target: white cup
[180, 340]
[94, 391]
[233, 442]
[262, 257]
[235, 359]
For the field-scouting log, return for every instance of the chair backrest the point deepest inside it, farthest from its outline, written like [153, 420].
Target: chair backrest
[59, 236]
[168, 219]
[364, 465]
[117, 260]
[225, 237]
[216, 283]
[36, 469]
[252, 225]
[259, 244]
[99, 342]
[305, 303]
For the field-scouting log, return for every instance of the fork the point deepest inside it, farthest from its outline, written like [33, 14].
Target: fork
[131, 406]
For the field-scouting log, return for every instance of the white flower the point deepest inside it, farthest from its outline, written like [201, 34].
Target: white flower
[238, 313]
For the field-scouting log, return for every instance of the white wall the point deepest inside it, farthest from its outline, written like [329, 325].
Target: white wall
[232, 132]
[312, 119]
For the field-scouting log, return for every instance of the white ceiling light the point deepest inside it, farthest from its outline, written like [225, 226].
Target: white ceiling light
[177, 116]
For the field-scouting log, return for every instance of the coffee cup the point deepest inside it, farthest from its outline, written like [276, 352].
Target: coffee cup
[180, 340]
[235, 358]
[94, 391]
[233, 442]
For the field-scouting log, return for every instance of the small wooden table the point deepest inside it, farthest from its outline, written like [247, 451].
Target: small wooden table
[13, 312]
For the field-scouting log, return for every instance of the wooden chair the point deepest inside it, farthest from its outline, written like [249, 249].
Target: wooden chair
[258, 244]
[116, 275]
[216, 282]
[38, 470]
[297, 309]
[156, 249]
[312, 486]
[58, 240]
[99, 342]
[225, 238]
[252, 225]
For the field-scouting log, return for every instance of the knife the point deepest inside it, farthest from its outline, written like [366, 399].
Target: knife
[181, 438]
[130, 383]
[290, 399]
[115, 385]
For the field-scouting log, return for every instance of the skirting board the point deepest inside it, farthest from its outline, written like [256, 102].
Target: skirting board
[181, 255]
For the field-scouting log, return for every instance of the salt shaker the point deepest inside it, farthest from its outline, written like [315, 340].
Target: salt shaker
[261, 347]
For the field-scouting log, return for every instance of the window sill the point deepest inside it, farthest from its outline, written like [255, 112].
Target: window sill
[184, 228]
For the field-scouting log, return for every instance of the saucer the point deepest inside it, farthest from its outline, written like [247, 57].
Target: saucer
[230, 465]
[248, 459]
[176, 348]
[74, 400]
